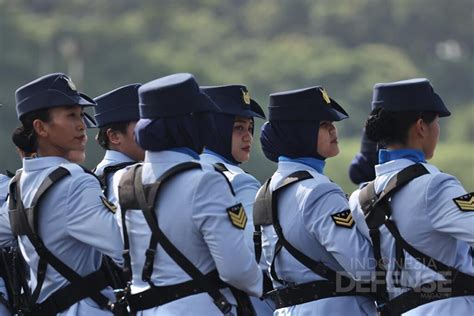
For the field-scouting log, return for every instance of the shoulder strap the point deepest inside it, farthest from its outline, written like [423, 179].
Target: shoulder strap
[12, 205]
[27, 222]
[221, 168]
[126, 191]
[109, 170]
[262, 208]
[378, 212]
[23, 220]
[145, 196]
[315, 266]
[377, 209]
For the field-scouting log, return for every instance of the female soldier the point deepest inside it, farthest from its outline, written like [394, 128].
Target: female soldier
[230, 148]
[232, 143]
[182, 229]
[308, 234]
[72, 225]
[425, 229]
[116, 115]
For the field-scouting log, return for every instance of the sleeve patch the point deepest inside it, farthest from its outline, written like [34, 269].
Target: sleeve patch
[237, 216]
[465, 202]
[343, 219]
[109, 205]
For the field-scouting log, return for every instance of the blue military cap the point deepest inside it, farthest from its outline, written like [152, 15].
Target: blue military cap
[49, 91]
[89, 121]
[235, 100]
[173, 95]
[408, 95]
[119, 105]
[307, 104]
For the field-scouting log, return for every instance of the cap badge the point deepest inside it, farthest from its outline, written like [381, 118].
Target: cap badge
[246, 96]
[325, 95]
[70, 83]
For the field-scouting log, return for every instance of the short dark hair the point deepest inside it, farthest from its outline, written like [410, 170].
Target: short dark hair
[102, 138]
[387, 127]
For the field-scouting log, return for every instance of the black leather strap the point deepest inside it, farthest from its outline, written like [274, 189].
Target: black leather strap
[28, 225]
[72, 293]
[145, 197]
[304, 293]
[424, 294]
[160, 295]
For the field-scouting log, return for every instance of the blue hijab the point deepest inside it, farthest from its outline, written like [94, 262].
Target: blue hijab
[222, 142]
[291, 139]
[191, 131]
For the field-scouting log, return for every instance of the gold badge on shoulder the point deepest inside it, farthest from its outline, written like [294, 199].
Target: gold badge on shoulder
[109, 205]
[343, 219]
[237, 216]
[465, 202]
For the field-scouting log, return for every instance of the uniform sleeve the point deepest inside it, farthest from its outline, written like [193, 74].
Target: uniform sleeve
[226, 242]
[450, 208]
[358, 214]
[6, 236]
[90, 220]
[245, 188]
[114, 183]
[329, 220]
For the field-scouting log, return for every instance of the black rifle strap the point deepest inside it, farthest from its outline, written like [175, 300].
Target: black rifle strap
[147, 202]
[45, 256]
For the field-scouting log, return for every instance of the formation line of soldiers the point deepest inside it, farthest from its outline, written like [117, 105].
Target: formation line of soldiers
[168, 223]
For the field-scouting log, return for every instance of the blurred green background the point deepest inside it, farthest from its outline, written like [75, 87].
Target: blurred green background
[270, 46]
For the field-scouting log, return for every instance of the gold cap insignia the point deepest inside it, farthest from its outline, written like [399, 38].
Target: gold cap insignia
[237, 216]
[109, 205]
[325, 95]
[246, 96]
[70, 83]
[465, 202]
[343, 219]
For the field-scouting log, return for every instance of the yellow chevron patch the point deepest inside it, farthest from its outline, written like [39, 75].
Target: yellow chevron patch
[465, 202]
[237, 216]
[343, 219]
[109, 205]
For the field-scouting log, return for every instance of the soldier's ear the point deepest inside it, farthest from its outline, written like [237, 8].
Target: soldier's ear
[423, 128]
[40, 128]
[114, 136]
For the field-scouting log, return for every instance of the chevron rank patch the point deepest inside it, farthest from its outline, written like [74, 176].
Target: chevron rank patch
[343, 219]
[237, 216]
[109, 205]
[465, 202]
